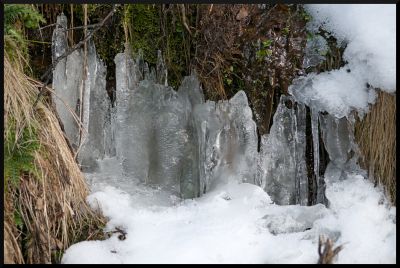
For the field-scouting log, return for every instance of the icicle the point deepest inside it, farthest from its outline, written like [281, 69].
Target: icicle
[300, 152]
[161, 69]
[67, 78]
[315, 138]
[284, 155]
[96, 113]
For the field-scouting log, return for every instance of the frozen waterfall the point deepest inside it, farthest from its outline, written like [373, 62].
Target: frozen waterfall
[176, 139]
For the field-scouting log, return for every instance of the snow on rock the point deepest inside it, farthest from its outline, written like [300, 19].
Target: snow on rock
[369, 32]
[336, 92]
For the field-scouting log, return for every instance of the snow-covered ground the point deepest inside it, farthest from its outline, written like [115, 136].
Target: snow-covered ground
[235, 223]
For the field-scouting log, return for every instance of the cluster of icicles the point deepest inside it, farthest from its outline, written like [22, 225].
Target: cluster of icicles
[178, 140]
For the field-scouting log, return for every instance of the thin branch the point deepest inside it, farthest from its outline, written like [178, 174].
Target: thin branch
[50, 25]
[71, 28]
[83, 27]
[184, 20]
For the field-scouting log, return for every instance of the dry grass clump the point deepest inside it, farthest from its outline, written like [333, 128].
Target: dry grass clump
[45, 210]
[376, 137]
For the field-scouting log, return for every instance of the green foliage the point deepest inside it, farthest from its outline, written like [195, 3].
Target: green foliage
[266, 43]
[232, 81]
[262, 53]
[26, 14]
[144, 29]
[307, 17]
[285, 30]
[19, 154]
[17, 17]
[150, 32]
[310, 36]
[18, 219]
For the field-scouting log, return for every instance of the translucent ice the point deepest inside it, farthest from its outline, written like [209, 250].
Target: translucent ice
[96, 142]
[283, 155]
[316, 48]
[294, 218]
[67, 80]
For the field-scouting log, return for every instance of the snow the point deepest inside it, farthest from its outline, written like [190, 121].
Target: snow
[234, 223]
[369, 33]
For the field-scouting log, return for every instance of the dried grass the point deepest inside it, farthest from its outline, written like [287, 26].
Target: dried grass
[52, 207]
[376, 137]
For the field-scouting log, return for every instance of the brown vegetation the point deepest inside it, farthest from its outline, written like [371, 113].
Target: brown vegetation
[255, 48]
[376, 137]
[326, 252]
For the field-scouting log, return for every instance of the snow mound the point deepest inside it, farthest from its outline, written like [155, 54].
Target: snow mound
[369, 33]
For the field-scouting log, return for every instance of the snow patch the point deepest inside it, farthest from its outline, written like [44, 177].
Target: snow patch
[369, 32]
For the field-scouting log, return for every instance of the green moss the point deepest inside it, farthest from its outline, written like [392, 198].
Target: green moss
[304, 14]
[144, 29]
[17, 18]
[150, 32]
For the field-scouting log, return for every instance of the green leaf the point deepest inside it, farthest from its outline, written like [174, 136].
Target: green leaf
[285, 30]
[19, 155]
[267, 43]
[18, 219]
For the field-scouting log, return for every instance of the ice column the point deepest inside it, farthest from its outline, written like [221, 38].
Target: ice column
[283, 155]
[96, 138]
[67, 80]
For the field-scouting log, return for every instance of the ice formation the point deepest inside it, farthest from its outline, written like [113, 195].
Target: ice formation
[67, 79]
[283, 155]
[97, 143]
[173, 138]
[75, 86]
[315, 51]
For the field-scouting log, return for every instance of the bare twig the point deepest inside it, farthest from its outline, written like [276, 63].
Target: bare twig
[184, 20]
[327, 255]
[83, 27]
[122, 235]
[71, 28]
[50, 25]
